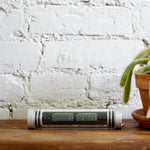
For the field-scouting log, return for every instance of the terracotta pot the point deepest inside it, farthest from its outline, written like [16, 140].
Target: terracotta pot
[140, 117]
[142, 82]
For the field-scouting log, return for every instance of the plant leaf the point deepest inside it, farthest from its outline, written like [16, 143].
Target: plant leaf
[127, 88]
[143, 53]
[142, 58]
[145, 69]
[130, 67]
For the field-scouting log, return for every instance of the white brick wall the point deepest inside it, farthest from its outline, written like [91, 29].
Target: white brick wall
[4, 113]
[11, 89]
[145, 19]
[58, 86]
[11, 23]
[69, 54]
[95, 53]
[81, 20]
[19, 56]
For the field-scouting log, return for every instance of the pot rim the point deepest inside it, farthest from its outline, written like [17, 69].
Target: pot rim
[142, 76]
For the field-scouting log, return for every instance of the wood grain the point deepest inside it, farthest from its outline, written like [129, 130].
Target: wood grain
[14, 135]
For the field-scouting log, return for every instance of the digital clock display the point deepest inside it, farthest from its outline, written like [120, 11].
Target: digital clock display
[62, 117]
[50, 118]
[86, 117]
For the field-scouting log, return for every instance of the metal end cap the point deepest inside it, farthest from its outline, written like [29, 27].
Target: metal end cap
[31, 118]
[118, 119]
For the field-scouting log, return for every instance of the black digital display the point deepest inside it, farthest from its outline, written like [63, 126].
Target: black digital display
[62, 117]
[86, 116]
[53, 118]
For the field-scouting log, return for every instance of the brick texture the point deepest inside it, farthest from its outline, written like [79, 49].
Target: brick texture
[69, 54]
[86, 54]
[81, 20]
[22, 56]
[11, 23]
[11, 89]
[58, 86]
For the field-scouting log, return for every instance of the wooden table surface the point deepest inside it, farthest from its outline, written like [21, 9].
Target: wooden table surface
[14, 135]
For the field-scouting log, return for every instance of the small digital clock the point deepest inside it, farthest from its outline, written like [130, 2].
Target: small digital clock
[99, 118]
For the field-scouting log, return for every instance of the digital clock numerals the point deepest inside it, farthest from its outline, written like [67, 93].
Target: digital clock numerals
[102, 116]
[49, 118]
[86, 117]
[62, 117]
[74, 117]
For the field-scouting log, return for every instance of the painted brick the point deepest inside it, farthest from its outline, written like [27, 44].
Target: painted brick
[20, 113]
[11, 89]
[4, 114]
[11, 23]
[97, 38]
[125, 109]
[145, 18]
[11, 4]
[106, 87]
[81, 20]
[82, 2]
[140, 3]
[85, 54]
[57, 86]
[19, 56]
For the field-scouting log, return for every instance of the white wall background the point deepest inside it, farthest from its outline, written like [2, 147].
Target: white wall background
[68, 53]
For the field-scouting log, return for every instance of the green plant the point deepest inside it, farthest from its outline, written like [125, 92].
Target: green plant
[141, 59]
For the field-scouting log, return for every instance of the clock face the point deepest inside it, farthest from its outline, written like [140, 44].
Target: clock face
[49, 118]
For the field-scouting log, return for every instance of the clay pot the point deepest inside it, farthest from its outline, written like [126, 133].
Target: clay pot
[140, 117]
[142, 82]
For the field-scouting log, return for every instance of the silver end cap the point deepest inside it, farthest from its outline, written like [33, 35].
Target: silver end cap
[118, 119]
[31, 118]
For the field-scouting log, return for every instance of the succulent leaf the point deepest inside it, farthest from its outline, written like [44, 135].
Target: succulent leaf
[142, 59]
[127, 88]
[144, 69]
[143, 53]
[130, 67]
